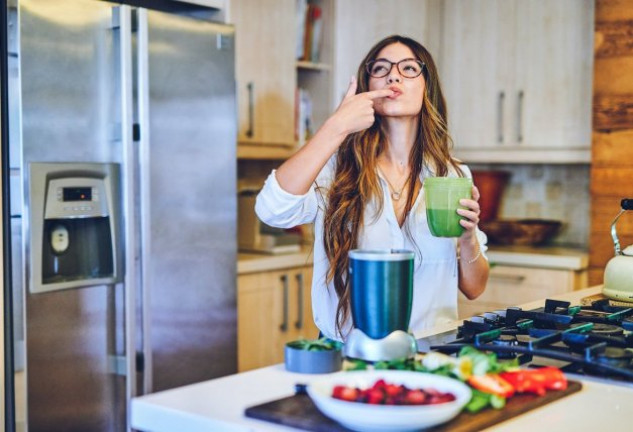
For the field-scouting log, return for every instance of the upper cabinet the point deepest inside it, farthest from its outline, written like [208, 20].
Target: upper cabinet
[265, 69]
[272, 79]
[359, 24]
[517, 77]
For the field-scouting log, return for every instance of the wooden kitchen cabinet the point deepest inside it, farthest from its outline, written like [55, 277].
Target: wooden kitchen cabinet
[359, 24]
[512, 285]
[274, 307]
[265, 71]
[517, 77]
[269, 76]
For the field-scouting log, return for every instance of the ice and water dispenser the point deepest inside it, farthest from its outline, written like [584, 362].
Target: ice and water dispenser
[74, 225]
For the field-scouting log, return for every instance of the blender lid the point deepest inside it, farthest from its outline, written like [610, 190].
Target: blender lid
[381, 255]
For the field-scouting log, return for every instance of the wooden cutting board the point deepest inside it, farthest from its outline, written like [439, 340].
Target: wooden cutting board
[588, 301]
[299, 411]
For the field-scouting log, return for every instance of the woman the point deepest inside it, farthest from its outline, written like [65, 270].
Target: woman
[359, 181]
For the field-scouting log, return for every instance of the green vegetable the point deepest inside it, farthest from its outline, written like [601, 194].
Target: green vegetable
[478, 401]
[442, 364]
[497, 402]
[481, 400]
[352, 365]
[398, 364]
[484, 363]
[322, 344]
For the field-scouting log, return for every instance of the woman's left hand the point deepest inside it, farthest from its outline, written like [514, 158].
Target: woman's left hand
[470, 214]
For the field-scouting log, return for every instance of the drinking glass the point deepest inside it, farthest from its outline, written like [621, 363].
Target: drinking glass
[442, 195]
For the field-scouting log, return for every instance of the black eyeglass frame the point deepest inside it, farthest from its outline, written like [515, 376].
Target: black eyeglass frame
[370, 63]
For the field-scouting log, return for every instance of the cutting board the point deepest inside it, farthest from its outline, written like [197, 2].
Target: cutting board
[298, 411]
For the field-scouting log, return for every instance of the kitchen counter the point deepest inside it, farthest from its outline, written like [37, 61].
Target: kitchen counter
[551, 257]
[219, 404]
[254, 262]
[525, 256]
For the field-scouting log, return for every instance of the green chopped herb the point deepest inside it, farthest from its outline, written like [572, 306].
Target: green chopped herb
[322, 344]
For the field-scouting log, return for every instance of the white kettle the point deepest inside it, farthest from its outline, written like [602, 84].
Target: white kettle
[618, 275]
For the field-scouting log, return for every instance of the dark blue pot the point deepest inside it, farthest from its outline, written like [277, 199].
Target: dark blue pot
[381, 294]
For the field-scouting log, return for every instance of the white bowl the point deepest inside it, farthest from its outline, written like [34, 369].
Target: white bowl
[366, 417]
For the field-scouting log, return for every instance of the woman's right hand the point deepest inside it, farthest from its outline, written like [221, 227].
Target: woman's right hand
[356, 111]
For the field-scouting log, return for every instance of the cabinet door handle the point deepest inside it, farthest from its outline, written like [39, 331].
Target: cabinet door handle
[502, 96]
[284, 324]
[299, 323]
[508, 278]
[251, 109]
[520, 116]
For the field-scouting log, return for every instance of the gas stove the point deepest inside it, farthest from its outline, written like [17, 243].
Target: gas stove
[594, 340]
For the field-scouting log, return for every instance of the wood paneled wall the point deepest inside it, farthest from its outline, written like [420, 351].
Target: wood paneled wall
[612, 143]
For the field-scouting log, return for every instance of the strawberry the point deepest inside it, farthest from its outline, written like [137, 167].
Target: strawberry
[380, 384]
[393, 389]
[415, 397]
[375, 396]
[349, 394]
[337, 391]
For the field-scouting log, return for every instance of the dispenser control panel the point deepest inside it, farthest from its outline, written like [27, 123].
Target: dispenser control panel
[78, 199]
[75, 198]
[76, 193]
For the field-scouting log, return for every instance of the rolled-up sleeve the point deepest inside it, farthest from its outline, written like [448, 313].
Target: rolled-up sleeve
[278, 208]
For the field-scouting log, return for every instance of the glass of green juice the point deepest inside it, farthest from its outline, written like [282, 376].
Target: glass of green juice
[441, 196]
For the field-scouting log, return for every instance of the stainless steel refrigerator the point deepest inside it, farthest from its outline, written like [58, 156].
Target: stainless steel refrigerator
[147, 99]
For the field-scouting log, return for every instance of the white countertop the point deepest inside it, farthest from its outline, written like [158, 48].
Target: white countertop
[254, 262]
[219, 404]
[542, 257]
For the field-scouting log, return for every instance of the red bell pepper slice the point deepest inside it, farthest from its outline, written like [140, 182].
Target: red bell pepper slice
[536, 381]
[492, 384]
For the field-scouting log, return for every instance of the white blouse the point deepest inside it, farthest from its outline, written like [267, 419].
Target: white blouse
[435, 267]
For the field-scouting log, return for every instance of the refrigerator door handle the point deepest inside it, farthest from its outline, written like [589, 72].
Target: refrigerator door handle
[144, 167]
[122, 16]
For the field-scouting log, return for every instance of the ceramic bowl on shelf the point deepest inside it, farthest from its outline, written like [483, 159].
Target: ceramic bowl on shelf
[521, 231]
[360, 416]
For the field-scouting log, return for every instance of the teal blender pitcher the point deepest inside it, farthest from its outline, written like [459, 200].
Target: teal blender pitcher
[381, 298]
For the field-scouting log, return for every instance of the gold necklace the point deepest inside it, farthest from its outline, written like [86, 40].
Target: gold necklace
[395, 195]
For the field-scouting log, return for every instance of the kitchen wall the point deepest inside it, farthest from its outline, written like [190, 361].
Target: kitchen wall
[612, 148]
[559, 192]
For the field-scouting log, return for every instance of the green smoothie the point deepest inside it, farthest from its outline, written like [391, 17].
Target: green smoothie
[444, 223]
[441, 196]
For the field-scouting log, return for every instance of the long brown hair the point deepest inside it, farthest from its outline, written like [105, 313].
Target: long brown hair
[356, 182]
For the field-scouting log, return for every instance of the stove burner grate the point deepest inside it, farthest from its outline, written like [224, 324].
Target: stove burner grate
[596, 339]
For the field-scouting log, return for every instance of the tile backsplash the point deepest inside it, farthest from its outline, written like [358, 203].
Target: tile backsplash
[558, 192]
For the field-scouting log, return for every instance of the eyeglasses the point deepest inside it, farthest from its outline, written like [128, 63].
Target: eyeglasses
[408, 68]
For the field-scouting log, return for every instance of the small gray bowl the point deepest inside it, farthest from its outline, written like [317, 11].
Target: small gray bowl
[312, 362]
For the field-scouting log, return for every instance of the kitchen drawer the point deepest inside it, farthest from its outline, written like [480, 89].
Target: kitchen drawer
[511, 286]
[517, 285]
